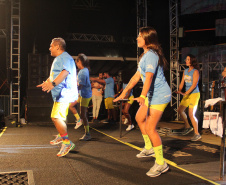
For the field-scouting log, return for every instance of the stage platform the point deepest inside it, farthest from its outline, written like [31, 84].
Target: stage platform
[106, 159]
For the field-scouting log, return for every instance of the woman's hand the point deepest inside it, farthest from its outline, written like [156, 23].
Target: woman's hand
[140, 100]
[122, 96]
[179, 92]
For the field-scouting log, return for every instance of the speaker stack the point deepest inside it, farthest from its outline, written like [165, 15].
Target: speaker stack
[39, 103]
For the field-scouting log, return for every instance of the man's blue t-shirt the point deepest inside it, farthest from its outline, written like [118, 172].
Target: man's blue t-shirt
[83, 79]
[67, 90]
[188, 78]
[159, 92]
[109, 88]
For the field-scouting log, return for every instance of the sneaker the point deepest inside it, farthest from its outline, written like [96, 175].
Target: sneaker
[196, 137]
[130, 127]
[85, 137]
[65, 149]
[78, 124]
[157, 169]
[146, 153]
[187, 130]
[57, 140]
[126, 121]
[106, 121]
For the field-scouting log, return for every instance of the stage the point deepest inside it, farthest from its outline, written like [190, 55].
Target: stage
[107, 158]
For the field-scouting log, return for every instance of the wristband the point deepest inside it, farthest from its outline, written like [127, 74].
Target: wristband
[142, 96]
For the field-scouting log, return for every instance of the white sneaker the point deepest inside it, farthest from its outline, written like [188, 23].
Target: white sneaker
[130, 127]
[126, 121]
[157, 170]
[146, 153]
[78, 124]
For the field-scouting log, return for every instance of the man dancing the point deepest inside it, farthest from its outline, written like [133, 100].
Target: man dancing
[62, 83]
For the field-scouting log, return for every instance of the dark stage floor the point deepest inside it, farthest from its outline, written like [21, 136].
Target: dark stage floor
[106, 159]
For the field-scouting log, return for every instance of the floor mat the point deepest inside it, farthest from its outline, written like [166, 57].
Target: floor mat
[188, 152]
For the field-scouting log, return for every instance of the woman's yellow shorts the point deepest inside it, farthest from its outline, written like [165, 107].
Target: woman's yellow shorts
[131, 100]
[84, 102]
[190, 100]
[160, 107]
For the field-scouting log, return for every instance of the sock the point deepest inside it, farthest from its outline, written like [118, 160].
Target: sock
[86, 129]
[159, 154]
[147, 142]
[77, 116]
[65, 138]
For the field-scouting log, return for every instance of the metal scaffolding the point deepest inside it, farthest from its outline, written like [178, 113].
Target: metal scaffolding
[89, 37]
[174, 54]
[15, 59]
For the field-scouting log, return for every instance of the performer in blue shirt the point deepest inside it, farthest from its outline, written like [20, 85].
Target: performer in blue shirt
[63, 86]
[108, 94]
[155, 96]
[191, 96]
[84, 85]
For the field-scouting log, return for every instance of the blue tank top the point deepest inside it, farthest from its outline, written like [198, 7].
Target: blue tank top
[188, 78]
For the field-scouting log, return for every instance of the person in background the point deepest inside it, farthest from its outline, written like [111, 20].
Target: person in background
[191, 96]
[73, 109]
[154, 98]
[127, 105]
[97, 91]
[116, 85]
[108, 94]
[84, 85]
[63, 86]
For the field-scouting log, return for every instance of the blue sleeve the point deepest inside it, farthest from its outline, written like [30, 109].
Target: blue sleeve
[107, 80]
[82, 77]
[151, 62]
[67, 65]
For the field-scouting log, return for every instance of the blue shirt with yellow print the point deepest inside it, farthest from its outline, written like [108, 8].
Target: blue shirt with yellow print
[188, 79]
[159, 92]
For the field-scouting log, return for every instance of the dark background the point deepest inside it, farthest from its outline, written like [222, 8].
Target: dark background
[42, 20]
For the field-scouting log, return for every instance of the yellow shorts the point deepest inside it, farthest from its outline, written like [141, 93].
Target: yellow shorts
[190, 100]
[109, 103]
[84, 102]
[60, 110]
[160, 107]
[131, 100]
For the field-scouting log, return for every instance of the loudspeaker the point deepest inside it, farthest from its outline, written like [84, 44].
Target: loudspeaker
[39, 114]
[38, 68]
[38, 98]
[39, 105]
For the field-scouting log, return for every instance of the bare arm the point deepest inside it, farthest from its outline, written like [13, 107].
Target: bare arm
[97, 80]
[146, 87]
[48, 86]
[133, 81]
[181, 86]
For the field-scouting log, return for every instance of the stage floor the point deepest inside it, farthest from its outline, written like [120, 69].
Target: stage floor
[107, 158]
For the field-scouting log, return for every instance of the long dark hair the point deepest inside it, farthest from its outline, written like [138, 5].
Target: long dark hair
[84, 59]
[193, 61]
[150, 37]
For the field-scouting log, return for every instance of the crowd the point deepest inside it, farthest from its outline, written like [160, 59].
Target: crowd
[70, 89]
